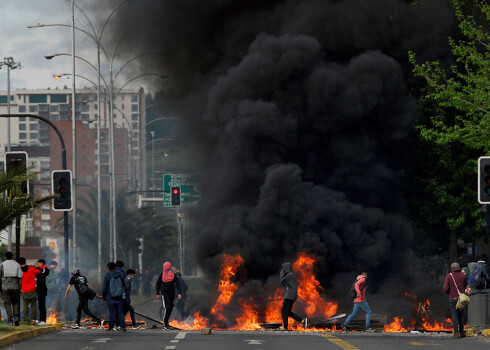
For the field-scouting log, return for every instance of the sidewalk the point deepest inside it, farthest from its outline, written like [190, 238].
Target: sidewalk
[17, 335]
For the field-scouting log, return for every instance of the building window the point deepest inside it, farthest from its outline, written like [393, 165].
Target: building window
[85, 108]
[54, 108]
[134, 108]
[33, 126]
[22, 109]
[96, 106]
[54, 117]
[41, 98]
[22, 127]
[135, 126]
[43, 135]
[77, 108]
[33, 109]
[43, 108]
[64, 117]
[134, 116]
[22, 135]
[33, 135]
[134, 98]
[43, 126]
[122, 106]
[58, 98]
[64, 108]
[85, 116]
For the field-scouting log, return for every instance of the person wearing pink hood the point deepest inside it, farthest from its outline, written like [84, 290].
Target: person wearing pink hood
[360, 301]
[167, 282]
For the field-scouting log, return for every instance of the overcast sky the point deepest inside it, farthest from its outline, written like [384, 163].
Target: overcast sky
[28, 46]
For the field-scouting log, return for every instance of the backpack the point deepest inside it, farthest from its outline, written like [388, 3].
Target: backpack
[475, 277]
[352, 291]
[116, 289]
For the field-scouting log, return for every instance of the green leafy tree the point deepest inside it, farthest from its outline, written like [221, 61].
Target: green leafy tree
[453, 131]
[14, 203]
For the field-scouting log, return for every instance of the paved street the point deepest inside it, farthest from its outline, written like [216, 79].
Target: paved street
[149, 339]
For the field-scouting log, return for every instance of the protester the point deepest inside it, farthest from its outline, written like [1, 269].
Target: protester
[455, 283]
[360, 302]
[114, 294]
[42, 290]
[130, 273]
[290, 284]
[480, 275]
[180, 305]
[29, 289]
[53, 282]
[167, 283]
[80, 282]
[120, 268]
[11, 275]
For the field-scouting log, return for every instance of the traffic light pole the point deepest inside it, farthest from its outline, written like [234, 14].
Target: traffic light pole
[63, 165]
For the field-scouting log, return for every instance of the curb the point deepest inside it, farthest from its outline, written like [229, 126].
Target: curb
[19, 335]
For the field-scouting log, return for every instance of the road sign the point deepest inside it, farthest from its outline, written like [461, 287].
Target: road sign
[188, 188]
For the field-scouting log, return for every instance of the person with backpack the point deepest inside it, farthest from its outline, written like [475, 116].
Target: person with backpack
[85, 293]
[454, 284]
[289, 282]
[113, 292]
[480, 274]
[358, 292]
[167, 283]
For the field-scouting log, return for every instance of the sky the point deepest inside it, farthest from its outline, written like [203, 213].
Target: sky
[28, 46]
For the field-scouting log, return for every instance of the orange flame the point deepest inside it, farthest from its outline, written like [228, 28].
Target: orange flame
[229, 267]
[249, 319]
[52, 316]
[395, 326]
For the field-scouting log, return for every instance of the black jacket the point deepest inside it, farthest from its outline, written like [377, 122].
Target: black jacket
[41, 278]
[168, 288]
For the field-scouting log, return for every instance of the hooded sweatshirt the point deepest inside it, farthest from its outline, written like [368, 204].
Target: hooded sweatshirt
[41, 277]
[360, 287]
[168, 282]
[289, 282]
[29, 278]
[106, 295]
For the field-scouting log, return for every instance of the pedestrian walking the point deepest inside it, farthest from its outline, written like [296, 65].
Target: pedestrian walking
[289, 282]
[29, 297]
[130, 273]
[360, 302]
[83, 290]
[53, 282]
[41, 290]
[167, 283]
[456, 282]
[180, 304]
[11, 277]
[113, 292]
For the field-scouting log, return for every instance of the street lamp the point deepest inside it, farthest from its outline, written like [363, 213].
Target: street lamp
[152, 160]
[11, 64]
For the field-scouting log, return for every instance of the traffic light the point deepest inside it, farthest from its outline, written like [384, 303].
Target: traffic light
[484, 180]
[175, 196]
[16, 159]
[61, 183]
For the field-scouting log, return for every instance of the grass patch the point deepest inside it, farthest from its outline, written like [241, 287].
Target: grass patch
[5, 328]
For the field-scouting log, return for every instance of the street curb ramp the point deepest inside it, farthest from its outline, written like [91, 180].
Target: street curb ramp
[19, 335]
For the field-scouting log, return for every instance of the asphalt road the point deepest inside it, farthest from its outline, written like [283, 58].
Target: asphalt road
[149, 339]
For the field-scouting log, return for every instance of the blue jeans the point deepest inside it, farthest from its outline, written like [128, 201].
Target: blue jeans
[119, 306]
[357, 306]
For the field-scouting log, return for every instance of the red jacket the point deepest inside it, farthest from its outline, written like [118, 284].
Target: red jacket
[461, 281]
[360, 287]
[29, 278]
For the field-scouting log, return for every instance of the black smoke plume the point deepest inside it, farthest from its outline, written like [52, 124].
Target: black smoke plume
[300, 122]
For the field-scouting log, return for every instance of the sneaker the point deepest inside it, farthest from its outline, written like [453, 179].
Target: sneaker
[101, 324]
[304, 322]
[117, 328]
[283, 329]
[344, 327]
[369, 329]
[41, 323]
[75, 326]
[136, 326]
[166, 328]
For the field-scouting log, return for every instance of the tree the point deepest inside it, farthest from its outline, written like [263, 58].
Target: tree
[14, 203]
[453, 130]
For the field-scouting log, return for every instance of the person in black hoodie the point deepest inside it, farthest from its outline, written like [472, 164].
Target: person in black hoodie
[41, 290]
[167, 282]
[130, 273]
[290, 284]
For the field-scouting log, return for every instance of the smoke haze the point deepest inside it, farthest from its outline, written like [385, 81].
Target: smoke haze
[300, 121]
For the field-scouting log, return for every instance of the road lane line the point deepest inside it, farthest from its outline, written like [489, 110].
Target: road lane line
[339, 342]
[181, 335]
[170, 347]
[174, 341]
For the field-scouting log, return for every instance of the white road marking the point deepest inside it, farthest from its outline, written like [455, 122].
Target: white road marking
[170, 347]
[255, 342]
[181, 335]
[101, 340]
[174, 341]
